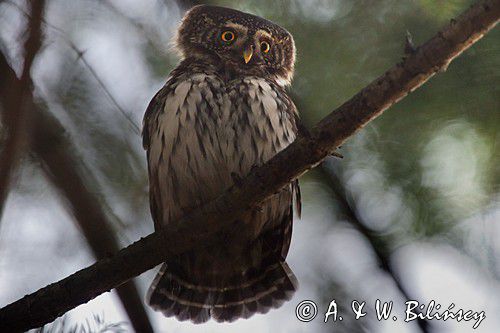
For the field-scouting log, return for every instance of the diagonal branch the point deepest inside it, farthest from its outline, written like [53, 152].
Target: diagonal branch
[51, 144]
[81, 56]
[305, 153]
[15, 110]
[379, 247]
[54, 150]
[61, 168]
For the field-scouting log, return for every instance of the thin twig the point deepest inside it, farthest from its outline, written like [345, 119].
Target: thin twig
[61, 169]
[133, 125]
[55, 150]
[263, 181]
[52, 146]
[16, 112]
[154, 40]
[378, 245]
[81, 56]
[93, 222]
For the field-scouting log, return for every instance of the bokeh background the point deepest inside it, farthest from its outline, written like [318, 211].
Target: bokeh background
[412, 211]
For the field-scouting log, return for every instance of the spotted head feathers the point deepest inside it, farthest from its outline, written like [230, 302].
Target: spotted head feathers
[243, 43]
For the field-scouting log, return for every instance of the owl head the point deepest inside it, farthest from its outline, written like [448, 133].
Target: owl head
[244, 44]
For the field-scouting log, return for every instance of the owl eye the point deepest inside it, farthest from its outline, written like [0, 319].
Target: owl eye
[265, 47]
[227, 36]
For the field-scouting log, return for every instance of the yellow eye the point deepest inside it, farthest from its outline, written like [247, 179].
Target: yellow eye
[227, 36]
[265, 47]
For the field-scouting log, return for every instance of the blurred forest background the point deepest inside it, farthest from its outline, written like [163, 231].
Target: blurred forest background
[412, 211]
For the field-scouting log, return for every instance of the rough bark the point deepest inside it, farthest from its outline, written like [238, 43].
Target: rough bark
[305, 153]
[16, 112]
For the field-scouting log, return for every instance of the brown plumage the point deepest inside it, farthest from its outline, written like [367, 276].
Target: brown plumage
[222, 111]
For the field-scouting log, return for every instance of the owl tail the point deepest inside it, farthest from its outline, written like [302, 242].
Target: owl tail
[247, 294]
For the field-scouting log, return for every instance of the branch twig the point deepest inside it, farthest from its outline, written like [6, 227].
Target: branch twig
[52, 145]
[60, 165]
[305, 153]
[81, 56]
[16, 112]
[378, 246]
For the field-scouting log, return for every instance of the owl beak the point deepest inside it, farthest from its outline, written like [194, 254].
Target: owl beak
[248, 53]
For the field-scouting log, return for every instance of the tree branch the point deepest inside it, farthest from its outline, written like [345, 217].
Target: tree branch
[15, 110]
[51, 144]
[53, 148]
[379, 246]
[81, 56]
[305, 153]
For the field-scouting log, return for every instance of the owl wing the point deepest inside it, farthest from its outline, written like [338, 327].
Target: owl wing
[156, 105]
[280, 237]
[299, 129]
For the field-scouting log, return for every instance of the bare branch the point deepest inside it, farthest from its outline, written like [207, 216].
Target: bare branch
[51, 144]
[151, 36]
[81, 56]
[378, 245]
[305, 153]
[16, 112]
[96, 76]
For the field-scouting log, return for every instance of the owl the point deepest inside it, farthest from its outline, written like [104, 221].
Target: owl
[222, 111]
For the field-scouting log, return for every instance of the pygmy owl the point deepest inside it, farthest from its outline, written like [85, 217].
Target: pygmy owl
[222, 111]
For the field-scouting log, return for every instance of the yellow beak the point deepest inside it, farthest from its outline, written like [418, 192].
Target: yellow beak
[247, 54]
